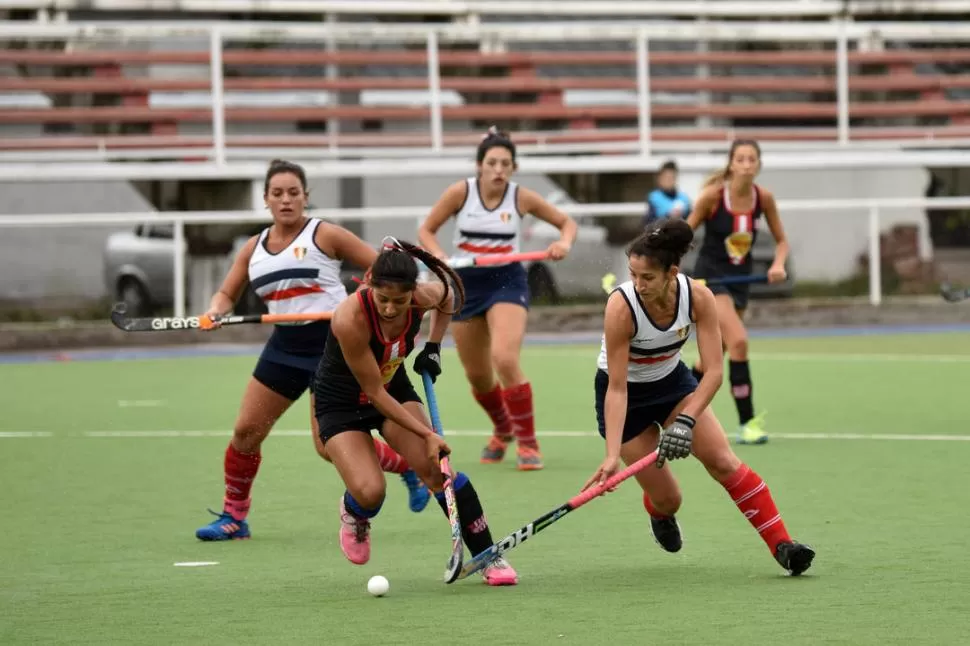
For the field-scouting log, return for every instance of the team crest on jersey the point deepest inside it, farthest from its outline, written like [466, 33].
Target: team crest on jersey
[738, 246]
[683, 332]
[299, 252]
[389, 368]
[506, 216]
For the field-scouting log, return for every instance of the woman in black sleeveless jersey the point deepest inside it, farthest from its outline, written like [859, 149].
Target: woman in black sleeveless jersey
[729, 208]
[360, 387]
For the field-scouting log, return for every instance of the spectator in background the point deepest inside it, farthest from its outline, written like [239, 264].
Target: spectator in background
[666, 200]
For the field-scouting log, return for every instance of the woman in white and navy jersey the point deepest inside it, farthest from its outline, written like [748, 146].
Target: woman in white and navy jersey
[361, 386]
[729, 208]
[646, 398]
[488, 210]
[294, 266]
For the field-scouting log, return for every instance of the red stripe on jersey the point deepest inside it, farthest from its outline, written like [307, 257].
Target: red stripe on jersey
[474, 248]
[292, 292]
[649, 360]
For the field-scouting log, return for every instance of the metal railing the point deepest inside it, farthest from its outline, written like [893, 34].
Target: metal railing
[840, 34]
[871, 207]
[476, 9]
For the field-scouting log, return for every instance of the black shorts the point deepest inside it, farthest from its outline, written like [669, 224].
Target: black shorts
[739, 292]
[334, 418]
[487, 286]
[290, 358]
[287, 380]
[647, 403]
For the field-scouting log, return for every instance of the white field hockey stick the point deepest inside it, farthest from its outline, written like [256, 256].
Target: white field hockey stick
[457, 546]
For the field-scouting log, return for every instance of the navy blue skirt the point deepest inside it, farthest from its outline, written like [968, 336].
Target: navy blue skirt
[486, 286]
[290, 358]
[647, 403]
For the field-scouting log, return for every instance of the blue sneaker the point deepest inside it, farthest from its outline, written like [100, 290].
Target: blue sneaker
[418, 494]
[223, 528]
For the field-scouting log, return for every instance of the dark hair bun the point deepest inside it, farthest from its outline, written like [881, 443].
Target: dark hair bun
[673, 235]
[665, 241]
[494, 137]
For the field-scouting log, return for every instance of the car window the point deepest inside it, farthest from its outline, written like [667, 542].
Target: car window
[163, 231]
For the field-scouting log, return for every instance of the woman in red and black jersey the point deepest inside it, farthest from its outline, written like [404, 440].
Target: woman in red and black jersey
[730, 207]
[360, 386]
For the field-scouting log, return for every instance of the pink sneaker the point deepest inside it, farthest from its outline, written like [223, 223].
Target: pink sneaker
[499, 572]
[354, 536]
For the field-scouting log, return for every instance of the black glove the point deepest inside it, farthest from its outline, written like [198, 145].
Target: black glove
[429, 360]
[675, 440]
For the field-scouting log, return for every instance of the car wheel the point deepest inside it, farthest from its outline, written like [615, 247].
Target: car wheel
[542, 284]
[134, 295]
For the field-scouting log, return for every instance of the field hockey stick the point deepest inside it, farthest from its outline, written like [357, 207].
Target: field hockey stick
[164, 323]
[609, 281]
[953, 295]
[539, 524]
[457, 547]
[496, 259]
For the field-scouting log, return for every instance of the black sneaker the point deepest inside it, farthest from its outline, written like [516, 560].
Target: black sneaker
[666, 532]
[794, 557]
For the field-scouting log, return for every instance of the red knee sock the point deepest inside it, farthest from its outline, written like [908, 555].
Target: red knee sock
[391, 461]
[498, 412]
[240, 471]
[648, 505]
[519, 400]
[751, 495]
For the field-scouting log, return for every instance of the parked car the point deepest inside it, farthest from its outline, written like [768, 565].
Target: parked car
[580, 275]
[138, 270]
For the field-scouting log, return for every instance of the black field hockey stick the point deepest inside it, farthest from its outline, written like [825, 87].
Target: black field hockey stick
[203, 322]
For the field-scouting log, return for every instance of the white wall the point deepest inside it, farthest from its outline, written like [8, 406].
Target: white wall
[826, 244]
[59, 262]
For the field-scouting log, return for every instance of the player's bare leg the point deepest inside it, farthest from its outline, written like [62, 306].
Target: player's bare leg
[390, 461]
[661, 493]
[507, 324]
[473, 341]
[261, 408]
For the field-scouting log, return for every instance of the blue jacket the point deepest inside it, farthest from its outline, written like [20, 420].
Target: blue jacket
[662, 205]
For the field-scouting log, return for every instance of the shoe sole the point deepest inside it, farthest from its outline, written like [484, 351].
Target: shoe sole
[760, 440]
[225, 538]
[661, 545]
[800, 561]
[491, 460]
[417, 509]
[529, 467]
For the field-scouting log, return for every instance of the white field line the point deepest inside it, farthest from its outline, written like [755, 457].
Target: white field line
[820, 357]
[876, 437]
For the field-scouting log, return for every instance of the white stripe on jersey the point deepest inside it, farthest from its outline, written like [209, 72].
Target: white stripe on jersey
[481, 231]
[654, 352]
[300, 278]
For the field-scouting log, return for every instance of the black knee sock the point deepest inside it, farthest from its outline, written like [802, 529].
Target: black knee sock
[697, 373]
[474, 527]
[741, 390]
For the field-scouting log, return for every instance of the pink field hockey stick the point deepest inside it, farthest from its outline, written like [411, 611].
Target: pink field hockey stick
[496, 259]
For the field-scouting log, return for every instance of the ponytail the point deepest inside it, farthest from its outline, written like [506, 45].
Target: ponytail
[717, 177]
[396, 264]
